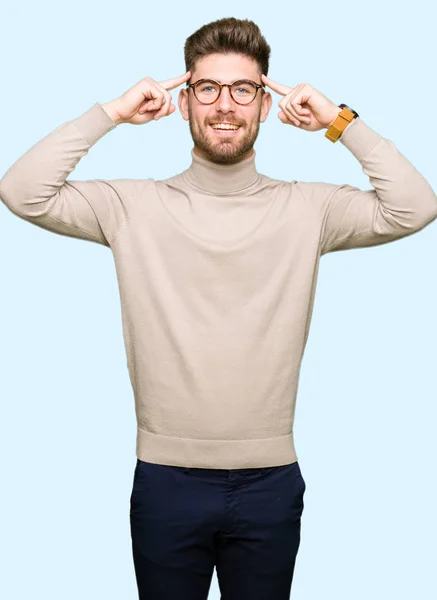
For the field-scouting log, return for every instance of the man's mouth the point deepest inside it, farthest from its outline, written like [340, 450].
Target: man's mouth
[225, 127]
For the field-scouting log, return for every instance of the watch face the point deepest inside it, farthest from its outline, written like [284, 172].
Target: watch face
[351, 109]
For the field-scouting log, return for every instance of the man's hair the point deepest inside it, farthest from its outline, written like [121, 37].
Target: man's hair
[228, 35]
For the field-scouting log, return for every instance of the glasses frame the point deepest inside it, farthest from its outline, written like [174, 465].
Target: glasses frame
[228, 85]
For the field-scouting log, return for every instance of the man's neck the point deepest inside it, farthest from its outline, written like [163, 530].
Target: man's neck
[222, 178]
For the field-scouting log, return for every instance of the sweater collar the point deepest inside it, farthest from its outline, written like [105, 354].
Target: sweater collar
[215, 178]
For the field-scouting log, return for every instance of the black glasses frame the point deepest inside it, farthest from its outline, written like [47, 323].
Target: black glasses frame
[228, 85]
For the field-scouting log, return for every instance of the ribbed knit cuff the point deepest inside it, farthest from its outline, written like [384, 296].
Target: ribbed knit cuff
[359, 138]
[94, 123]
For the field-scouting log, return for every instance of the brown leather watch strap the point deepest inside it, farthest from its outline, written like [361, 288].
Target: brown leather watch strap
[345, 116]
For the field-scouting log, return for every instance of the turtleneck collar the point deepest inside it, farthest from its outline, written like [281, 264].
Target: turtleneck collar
[215, 178]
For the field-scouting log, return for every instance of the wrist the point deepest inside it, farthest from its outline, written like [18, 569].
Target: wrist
[111, 111]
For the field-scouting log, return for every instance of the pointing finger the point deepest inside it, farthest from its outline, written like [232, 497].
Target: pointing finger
[276, 87]
[169, 84]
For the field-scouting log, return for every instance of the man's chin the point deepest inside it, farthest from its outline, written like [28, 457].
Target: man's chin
[225, 154]
[220, 148]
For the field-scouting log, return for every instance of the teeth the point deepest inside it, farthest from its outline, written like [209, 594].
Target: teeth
[231, 127]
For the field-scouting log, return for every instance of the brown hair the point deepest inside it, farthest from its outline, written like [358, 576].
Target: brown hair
[228, 35]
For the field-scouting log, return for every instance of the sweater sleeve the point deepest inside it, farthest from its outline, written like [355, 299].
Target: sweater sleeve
[401, 203]
[35, 187]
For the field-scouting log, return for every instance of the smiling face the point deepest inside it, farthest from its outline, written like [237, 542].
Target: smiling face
[224, 146]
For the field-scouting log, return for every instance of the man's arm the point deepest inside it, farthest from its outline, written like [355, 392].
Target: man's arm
[35, 186]
[401, 203]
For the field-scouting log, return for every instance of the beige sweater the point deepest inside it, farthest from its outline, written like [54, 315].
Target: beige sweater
[217, 270]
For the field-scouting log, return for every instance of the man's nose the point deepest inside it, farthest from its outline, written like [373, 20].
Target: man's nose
[225, 101]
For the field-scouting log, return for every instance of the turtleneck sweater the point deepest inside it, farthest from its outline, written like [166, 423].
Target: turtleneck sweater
[217, 269]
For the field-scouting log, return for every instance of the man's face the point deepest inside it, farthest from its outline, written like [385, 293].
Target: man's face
[215, 145]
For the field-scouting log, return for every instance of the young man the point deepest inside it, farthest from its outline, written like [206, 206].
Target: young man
[217, 268]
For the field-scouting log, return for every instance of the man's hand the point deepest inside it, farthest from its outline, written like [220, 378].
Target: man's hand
[303, 106]
[146, 100]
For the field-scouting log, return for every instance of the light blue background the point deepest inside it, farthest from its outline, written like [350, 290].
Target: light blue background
[366, 411]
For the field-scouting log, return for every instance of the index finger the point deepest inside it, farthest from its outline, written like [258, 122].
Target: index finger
[169, 84]
[277, 87]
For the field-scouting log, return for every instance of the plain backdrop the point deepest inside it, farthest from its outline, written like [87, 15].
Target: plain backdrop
[367, 400]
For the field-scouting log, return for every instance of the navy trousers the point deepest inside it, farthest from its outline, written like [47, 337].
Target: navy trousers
[244, 522]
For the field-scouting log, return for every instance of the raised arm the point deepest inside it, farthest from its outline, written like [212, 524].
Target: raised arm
[35, 186]
[400, 203]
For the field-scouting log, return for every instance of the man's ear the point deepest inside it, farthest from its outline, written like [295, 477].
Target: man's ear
[266, 106]
[183, 103]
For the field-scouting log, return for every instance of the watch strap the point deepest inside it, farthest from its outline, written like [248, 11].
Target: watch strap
[344, 117]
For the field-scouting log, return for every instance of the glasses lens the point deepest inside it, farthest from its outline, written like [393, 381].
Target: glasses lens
[206, 91]
[243, 92]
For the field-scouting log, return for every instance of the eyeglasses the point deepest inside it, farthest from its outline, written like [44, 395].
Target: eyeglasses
[207, 91]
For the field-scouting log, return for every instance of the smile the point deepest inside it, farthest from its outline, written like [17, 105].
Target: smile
[225, 128]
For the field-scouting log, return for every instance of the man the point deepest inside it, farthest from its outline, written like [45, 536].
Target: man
[217, 268]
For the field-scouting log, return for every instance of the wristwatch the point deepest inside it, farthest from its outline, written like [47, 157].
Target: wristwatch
[345, 116]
